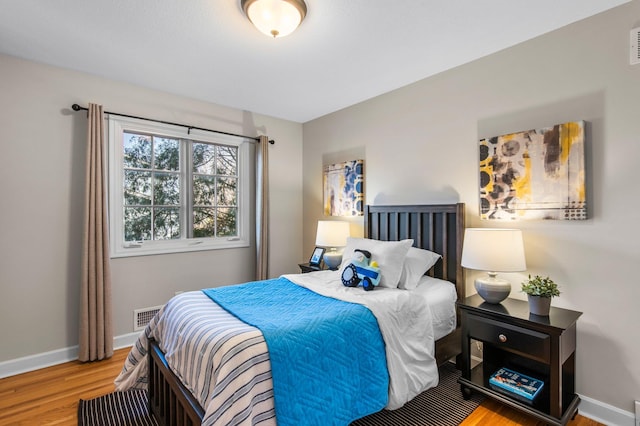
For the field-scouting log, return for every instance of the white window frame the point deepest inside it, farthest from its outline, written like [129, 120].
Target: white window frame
[118, 247]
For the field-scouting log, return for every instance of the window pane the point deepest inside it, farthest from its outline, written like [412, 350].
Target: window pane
[166, 224]
[137, 223]
[166, 189]
[204, 223]
[227, 222]
[204, 158]
[137, 188]
[227, 191]
[137, 151]
[171, 188]
[167, 154]
[227, 161]
[203, 191]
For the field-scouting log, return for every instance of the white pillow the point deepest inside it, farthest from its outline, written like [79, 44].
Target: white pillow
[389, 255]
[416, 264]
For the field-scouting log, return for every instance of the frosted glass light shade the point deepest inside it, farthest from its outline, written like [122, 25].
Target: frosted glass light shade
[493, 250]
[275, 18]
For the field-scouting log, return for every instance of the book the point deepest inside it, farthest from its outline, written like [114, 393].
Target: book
[517, 385]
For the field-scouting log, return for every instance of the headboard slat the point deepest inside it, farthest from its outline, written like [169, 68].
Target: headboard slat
[445, 246]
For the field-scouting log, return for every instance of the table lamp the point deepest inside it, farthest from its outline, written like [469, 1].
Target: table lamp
[332, 234]
[493, 250]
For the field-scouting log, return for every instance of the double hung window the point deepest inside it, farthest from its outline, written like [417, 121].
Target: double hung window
[170, 193]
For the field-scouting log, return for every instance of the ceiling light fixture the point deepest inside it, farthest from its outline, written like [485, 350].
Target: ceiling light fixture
[275, 18]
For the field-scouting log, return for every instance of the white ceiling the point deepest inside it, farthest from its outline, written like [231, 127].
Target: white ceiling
[345, 51]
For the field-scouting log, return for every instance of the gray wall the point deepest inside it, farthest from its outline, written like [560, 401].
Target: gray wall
[420, 145]
[42, 187]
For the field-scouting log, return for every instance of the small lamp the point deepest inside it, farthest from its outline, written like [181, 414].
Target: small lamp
[275, 18]
[493, 250]
[332, 234]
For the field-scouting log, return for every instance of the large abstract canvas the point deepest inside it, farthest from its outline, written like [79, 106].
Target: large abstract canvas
[344, 188]
[536, 174]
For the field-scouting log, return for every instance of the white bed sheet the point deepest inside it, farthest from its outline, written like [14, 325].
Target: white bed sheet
[441, 296]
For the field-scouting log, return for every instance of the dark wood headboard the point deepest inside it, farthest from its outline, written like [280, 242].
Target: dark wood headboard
[438, 228]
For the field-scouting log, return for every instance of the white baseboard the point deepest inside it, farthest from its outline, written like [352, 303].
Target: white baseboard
[475, 360]
[126, 340]
[38, 361]
[605, 413]
[60, 356]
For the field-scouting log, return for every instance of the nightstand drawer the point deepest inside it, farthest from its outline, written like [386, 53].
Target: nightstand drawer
[527, 342]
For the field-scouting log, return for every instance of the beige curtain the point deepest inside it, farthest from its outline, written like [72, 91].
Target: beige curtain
[96, 334]
[262, 209]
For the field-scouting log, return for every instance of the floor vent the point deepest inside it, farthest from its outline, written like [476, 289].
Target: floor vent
[635, 46]
[142, 317]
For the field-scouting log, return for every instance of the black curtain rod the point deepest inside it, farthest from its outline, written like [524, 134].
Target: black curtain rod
[77, 107]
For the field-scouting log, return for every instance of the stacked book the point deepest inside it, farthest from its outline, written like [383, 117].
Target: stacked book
[516, 385]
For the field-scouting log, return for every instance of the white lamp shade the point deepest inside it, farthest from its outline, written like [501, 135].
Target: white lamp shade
[495, 250]
[332, 233]
[275, 18]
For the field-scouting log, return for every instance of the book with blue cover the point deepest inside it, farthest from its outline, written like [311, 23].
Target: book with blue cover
[520, 386]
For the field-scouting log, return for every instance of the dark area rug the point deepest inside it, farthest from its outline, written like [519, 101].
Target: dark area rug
[440, 406]
[128, 408]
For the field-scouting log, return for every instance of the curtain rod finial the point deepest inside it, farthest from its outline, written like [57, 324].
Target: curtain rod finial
[76, 107]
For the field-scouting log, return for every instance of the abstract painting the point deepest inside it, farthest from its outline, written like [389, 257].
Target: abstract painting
[344, 188]
[536, 174]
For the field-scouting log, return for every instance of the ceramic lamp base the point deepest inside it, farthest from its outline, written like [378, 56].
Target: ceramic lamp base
[493, 290]
[332, 259]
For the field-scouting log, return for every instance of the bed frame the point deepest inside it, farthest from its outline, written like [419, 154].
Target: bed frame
[438, 228]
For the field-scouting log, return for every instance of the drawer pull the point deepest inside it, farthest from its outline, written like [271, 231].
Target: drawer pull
[502, 338]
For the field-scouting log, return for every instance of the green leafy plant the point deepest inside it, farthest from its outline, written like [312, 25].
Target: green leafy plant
[538, 286]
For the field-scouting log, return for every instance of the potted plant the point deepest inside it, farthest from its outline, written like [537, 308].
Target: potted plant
[539, 292]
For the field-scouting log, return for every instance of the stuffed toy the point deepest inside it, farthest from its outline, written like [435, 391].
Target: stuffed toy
[361, 270]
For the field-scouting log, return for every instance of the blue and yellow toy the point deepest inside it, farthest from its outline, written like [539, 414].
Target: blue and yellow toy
[361, 270]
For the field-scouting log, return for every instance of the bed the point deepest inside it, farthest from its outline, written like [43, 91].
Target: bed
[437, 228]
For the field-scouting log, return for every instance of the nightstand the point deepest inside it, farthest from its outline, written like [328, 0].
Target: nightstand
[539, 347]
[306, 267]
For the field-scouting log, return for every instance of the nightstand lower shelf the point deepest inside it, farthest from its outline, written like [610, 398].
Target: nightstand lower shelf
[478, 384]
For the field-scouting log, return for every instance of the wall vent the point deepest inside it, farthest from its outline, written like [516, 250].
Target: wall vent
[142, 317]
[635, 46]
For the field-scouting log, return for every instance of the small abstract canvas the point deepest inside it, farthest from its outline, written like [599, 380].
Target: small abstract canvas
[344, 188]
[535, 174]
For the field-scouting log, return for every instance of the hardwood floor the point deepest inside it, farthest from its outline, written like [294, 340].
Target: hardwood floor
[492, 413]
[50, 396]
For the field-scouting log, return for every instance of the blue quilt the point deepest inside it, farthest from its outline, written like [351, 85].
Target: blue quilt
[327, 356]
